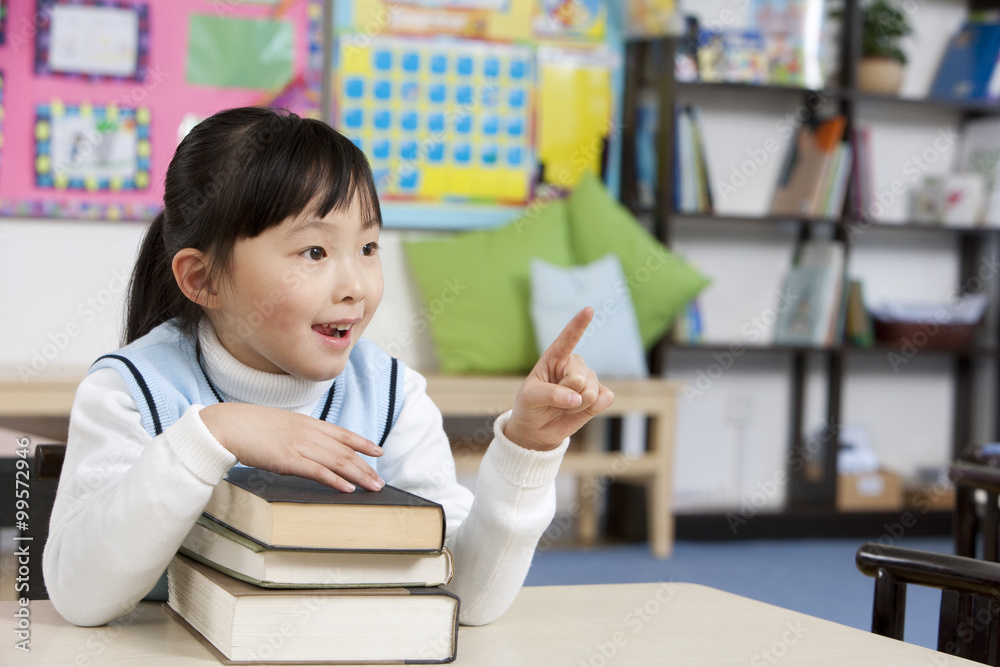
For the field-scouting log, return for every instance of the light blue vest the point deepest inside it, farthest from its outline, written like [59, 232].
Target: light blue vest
[164, 375]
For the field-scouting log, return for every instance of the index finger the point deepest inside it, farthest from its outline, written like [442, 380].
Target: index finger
[562, 347]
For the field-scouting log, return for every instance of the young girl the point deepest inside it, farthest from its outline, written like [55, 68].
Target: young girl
[244, 344]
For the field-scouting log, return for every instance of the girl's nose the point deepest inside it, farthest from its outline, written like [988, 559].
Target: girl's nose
[349, 283]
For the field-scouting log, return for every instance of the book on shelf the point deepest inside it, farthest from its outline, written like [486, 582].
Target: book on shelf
[687, 327]
[703, 190]
[792, 33]
[809, 168]
[686, 51]
[836, 187]
[745, 57]
[711, 56]
[646, 161]
[736, 56]
[811, 296]
[692, 191]
[840, 316]
[288, 511]
[244, 624]
[862, 179]
[859, 329]
[684, 190]
[968, 69]
[217, 546]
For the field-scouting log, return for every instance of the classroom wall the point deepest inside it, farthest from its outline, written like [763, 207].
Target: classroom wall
[61, 304]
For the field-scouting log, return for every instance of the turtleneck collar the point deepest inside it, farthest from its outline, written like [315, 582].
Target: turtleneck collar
[239, 383]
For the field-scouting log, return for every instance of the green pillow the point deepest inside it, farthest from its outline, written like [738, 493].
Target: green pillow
[476, 288]
[661, 283]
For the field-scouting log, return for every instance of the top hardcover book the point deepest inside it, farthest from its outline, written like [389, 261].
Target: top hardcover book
[288, 511]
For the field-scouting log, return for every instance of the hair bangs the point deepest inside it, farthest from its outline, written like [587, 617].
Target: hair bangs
[310, 167]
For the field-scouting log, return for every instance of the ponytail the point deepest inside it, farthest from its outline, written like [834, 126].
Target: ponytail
[153, 295]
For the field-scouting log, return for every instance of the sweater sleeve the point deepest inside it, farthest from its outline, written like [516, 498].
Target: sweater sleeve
[492, 534]
[125, 501]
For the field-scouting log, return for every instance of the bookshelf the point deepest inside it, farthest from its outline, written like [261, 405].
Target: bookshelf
[971, 368]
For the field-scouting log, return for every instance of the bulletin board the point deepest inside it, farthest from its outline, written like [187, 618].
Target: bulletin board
[464, 107]
[106, 89]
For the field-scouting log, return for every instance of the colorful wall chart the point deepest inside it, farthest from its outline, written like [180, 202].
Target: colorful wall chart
[441, 122]
[106, 88]
[578, 79]
[474, 101]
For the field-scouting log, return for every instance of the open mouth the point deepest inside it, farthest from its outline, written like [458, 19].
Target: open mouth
[333, 330]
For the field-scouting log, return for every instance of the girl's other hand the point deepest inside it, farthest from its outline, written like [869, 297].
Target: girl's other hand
[560, 395]
[290, 443]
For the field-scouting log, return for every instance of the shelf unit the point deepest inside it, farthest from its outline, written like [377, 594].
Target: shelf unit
[808, 499]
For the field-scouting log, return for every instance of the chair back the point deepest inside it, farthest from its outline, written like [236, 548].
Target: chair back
[969, 621]
[977, 471]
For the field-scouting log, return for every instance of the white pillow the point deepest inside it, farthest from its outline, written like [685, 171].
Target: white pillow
[611, 345]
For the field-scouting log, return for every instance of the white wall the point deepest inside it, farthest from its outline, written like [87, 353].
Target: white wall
[63, 288]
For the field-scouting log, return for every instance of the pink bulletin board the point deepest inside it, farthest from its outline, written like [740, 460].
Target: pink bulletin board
[38, 106]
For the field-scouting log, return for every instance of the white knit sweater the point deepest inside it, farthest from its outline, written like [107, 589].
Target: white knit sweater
[126, 501]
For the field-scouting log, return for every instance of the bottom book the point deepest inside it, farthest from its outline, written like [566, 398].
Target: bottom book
[245, 624]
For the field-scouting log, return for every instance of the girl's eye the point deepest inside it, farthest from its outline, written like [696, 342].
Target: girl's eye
[315, 253]
[369, 249]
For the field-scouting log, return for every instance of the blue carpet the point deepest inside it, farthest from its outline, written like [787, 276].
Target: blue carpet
[815, 577]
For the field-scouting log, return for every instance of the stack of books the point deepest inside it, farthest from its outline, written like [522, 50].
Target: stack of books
[815, 173]
[281, 569]
[814, 297]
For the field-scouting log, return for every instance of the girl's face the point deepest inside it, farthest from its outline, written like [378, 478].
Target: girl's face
[300, 294]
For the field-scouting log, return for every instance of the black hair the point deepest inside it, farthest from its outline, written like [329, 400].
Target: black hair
[235, 175]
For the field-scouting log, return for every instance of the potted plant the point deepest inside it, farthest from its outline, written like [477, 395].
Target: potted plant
[881, 66]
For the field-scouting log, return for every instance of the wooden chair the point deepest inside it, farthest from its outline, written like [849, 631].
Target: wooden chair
[969, 620]
[977, 472]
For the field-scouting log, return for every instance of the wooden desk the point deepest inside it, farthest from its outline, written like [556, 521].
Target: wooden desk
[37, 399]
[624, 624]
[473, 396]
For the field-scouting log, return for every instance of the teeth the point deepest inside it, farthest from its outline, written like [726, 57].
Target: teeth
[338, 327]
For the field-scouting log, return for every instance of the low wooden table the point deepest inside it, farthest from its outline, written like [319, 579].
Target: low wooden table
[578, 626]
[473, 396]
